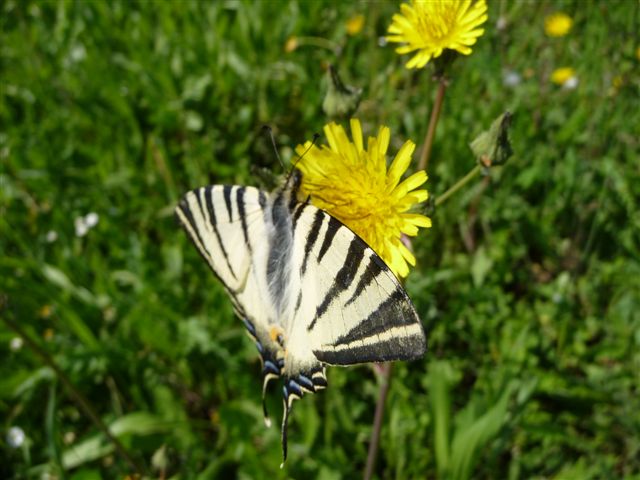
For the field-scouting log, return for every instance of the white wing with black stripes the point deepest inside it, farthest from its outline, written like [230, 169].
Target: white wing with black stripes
[229, 226]
[353, 309]
[309, 290]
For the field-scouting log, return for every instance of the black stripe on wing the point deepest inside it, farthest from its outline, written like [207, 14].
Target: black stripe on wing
[312, 237]
[243, 219]
[395, 311]
[375, 267]
[192, 230]
[397, 348]
[344, 277]
[208, 194]
[297, 212]
[186, 211]
[329, 235]
[371, 340]
[226, 192]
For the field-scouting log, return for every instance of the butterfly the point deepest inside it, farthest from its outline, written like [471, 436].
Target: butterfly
[310, 292]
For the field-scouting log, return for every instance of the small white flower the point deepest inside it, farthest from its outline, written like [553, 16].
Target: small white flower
[86, 223]
[68, 438]
[501, 24]
[382, 41]
[81, 227]
[511, 78]
[16, 343]
[78, 53]
[15, 437]
[91, 219]
[571, 83]
[51, 236]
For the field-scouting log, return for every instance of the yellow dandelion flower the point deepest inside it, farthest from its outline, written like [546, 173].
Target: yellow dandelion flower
[557, 24]
[432, 26]
[354, 184]
[355, 25]
[561, 75]
[291, 44]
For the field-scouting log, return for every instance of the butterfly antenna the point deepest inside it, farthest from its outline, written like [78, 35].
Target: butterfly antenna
[316, 136]
[273, 142]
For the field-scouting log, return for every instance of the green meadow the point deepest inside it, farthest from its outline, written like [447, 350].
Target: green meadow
[527, 284]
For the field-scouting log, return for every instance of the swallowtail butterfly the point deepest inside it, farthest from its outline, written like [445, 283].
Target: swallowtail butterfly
[309, 291]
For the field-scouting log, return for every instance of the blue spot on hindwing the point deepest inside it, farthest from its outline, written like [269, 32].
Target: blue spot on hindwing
[249, 326]
[270, 367]
[294, 388]
[306, 382]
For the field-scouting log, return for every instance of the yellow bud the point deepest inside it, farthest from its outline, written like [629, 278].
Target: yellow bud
[355, 24]
[291, 44]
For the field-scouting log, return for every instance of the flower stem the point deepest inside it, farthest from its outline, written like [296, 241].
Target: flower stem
[377, 419]
[80, 399]
[387, 367]
[433, 121]
[458, 185]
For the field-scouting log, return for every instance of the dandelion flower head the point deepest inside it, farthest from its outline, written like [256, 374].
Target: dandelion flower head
[562, 75]
[557, 24]
[355, 185]
[428, 27]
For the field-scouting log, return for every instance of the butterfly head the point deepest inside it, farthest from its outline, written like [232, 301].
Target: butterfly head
[296, 180]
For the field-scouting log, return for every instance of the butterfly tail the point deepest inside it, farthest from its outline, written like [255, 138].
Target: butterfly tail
[285, 424]
[265, 382]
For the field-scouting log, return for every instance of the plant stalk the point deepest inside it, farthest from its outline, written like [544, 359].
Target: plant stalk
[387, 367]
[377, 419]
[423, 163]
[440, 199]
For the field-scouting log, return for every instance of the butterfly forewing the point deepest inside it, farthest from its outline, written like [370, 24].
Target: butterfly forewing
[227, 225]
[352, 307]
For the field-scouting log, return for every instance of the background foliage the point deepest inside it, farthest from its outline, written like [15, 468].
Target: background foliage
[528, 283]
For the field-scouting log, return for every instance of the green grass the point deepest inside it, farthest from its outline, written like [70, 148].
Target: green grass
[528, 284]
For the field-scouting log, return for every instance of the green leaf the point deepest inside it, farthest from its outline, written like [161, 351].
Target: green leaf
[470, 439]
[480, 266]
[98, 446]
[441, 377]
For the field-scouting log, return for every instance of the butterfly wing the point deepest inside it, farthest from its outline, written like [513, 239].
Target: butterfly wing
[228, 225]
[352, 309]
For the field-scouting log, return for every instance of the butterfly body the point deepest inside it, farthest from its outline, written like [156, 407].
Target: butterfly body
[308, 289]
